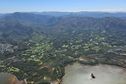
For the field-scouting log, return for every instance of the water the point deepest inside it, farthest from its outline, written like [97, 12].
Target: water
[105, 74]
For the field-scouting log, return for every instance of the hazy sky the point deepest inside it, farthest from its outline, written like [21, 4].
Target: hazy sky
[62, 5]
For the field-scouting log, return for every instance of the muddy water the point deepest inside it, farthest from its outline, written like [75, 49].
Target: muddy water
[104, 74]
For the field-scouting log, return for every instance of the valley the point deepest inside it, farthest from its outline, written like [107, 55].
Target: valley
[38, 46]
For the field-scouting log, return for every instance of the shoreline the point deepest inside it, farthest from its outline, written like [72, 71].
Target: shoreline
[91, 66]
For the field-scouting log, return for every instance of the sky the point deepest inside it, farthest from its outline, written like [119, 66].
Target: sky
[8, 6]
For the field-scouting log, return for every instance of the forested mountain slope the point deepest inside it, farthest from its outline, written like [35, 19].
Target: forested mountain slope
[38, 46]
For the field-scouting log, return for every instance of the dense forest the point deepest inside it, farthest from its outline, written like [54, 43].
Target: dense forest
[37, 46]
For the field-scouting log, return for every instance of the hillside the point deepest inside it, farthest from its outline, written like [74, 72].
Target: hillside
[38, 46]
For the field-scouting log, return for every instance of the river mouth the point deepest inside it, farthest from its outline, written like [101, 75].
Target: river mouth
[104, 74]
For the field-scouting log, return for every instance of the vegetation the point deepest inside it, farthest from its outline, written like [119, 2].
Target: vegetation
[38, 47]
